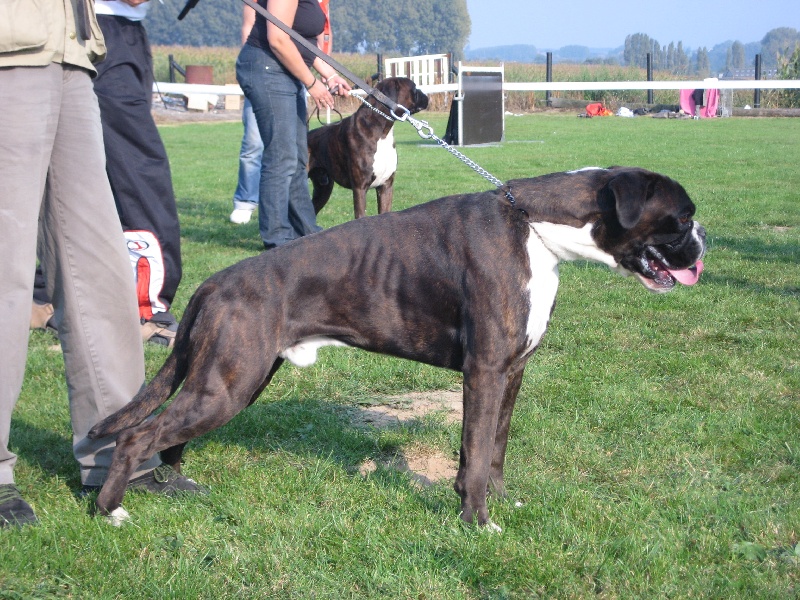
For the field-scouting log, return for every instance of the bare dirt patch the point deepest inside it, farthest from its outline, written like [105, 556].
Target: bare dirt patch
[396, 410]
[167, 114]
[425, 466]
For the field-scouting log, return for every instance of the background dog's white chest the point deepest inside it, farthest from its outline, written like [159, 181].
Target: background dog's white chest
[385, 162]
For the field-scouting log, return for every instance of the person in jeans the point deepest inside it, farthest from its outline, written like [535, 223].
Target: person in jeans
[54, 188]
[275, 74]
[245, 198]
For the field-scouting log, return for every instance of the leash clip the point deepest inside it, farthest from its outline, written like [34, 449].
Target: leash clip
[406, 113]
[420, 126]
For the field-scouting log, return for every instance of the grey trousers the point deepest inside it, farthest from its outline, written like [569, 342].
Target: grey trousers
[52, 164]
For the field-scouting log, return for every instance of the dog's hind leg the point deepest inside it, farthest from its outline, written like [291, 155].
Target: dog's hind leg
[189, 416]
[172, 455]
[207, 401]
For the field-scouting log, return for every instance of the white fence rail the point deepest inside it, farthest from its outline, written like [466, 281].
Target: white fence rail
[538, 86]
[428, 69]
[717, 84]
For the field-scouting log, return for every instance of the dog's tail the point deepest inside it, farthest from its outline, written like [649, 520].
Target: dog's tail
[144, 403]
[160, 389]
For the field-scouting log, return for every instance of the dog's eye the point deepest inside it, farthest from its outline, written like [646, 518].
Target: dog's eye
[685, 218]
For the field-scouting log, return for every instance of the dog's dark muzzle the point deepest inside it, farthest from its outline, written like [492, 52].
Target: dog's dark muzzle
[661, 266]
[420, 101]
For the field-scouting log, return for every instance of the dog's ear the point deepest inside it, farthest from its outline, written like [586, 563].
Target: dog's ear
[631, 190]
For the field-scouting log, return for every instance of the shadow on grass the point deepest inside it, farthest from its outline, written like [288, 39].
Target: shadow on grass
[310, 429]
[202, 224]
[49, 451]
[319, 430]
[759, 250]
[770, 255]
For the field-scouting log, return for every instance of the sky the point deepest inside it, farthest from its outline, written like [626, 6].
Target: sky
[605, 23]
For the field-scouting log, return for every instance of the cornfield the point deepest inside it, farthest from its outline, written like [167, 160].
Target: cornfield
[223, 61]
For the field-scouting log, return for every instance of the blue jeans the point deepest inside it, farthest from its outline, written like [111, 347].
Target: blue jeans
[285, 211]
[246, 194]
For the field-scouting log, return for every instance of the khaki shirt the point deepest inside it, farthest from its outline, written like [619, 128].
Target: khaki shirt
[34, 33]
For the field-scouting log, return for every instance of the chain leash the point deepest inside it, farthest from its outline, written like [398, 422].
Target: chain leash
[425, 131]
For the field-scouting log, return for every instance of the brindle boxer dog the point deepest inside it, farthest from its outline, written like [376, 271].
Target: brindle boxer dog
[358, 152]
[465, 282]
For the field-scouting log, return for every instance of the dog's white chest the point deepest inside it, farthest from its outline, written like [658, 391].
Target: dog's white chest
[385, 162]
[541, 290]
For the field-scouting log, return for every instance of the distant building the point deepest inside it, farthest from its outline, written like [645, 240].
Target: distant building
[747, 74]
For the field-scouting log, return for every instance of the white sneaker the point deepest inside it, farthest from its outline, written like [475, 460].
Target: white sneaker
[240, 216]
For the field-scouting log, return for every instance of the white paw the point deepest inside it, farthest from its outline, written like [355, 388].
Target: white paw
[118, 516]
[493, 527]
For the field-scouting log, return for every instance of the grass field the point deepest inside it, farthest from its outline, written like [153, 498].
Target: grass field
[655, 448]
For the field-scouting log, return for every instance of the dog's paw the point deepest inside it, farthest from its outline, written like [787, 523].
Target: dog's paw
[118, 516]
[492, 527]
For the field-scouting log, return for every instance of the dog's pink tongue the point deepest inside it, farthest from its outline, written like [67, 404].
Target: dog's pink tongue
[688, 276]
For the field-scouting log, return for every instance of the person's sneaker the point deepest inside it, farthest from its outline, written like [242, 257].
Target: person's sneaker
[14, 511]
[240, 216]
[42, 316]
[160, 329]
[165, 480]
[161, 480]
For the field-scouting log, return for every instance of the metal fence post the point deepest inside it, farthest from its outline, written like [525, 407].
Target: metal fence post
[757, 92]
[549, 78]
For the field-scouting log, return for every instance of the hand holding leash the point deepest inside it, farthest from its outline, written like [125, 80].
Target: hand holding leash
[337, 85]
[322, 92]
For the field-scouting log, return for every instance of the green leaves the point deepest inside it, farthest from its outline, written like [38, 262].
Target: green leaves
[750, 551]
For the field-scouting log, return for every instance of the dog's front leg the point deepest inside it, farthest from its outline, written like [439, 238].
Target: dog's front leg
[385, 195]
[359, 203]
[483, 395]
[496, 482]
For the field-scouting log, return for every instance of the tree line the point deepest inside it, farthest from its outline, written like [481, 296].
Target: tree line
[674, 58]
[777, 45]
[412, 27]
[405, 27]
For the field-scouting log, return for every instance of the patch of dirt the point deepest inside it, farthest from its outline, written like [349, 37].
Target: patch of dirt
[172, 114]
[425, 467]
[397, 410]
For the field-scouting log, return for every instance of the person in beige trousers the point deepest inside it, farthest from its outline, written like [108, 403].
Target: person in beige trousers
[53, 186]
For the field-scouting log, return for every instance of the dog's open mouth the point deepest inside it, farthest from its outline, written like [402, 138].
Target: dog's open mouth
[656, 274]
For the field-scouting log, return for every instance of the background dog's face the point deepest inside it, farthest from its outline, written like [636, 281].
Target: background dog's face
[404, 91]
[648, 226]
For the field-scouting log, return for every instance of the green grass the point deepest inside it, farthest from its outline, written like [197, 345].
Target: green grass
[654, 447]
